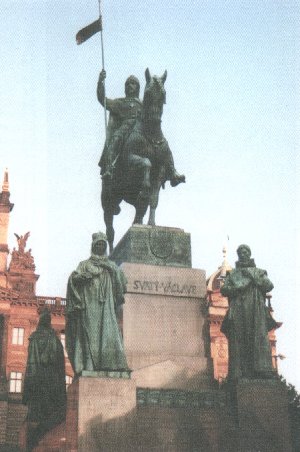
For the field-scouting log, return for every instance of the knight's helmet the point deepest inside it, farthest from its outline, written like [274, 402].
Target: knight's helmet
[132, 78]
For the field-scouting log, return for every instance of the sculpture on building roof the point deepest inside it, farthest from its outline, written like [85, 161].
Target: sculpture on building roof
[136, 161]
[95, 292]
[248, 320]
[21, 259]
[22, 240]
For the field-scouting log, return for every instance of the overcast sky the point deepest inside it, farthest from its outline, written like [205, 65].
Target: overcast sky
[231, 120]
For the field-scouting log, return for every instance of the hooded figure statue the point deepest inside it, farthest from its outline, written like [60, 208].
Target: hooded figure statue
[44, 385]
[95, 291]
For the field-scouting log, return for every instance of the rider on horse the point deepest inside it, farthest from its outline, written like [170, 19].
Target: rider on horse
[124, 112]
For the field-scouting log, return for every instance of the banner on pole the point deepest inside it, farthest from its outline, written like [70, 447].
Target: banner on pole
[90, 30]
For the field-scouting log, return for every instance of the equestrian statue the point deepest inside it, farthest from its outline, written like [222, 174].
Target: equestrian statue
[136, 160]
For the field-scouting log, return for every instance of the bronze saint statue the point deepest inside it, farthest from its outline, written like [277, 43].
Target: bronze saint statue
[248, 320]
[124, 112]
[44, 385]
[137, 160]
[95, 291]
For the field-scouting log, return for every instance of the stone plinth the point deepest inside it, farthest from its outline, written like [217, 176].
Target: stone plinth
[164, 326]
[262, 410]
[154, 245]
[98, 411]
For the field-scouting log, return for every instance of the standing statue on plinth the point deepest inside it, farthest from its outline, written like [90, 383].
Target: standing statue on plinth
[44, 385]
[248, 320]
[136, 160]
[95, 292]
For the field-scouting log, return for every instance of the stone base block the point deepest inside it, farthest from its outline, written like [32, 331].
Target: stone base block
[182, 373]
[262, 411]
[3, 420]
[164, 326]
[98, 411]
[154, 245]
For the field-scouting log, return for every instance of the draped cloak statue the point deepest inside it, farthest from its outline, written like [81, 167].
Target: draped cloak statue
[95, 292]
[44, 385]
[248, 320]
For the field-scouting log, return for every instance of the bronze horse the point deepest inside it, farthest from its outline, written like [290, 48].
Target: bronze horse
[142, 166]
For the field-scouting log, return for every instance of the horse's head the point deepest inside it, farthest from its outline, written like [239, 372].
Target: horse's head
[154, 95]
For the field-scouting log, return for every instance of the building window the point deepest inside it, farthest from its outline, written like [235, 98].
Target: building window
[63, 341]
[68, 381]
[15, 382]
[18, 336]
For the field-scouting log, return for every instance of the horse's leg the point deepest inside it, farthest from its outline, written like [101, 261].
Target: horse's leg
[153, 205]
[140, 210]
[110, 233]
[153, 201]
[144, 165]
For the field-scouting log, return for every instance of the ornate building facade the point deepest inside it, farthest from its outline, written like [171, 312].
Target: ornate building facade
[19, 314]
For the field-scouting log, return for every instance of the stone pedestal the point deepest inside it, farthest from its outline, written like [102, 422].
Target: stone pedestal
[262, 411]
[164, 326]
[164, 319]
[99, 411]
[154, 245]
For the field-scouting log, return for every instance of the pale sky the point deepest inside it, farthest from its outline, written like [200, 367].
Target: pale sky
[231, 120]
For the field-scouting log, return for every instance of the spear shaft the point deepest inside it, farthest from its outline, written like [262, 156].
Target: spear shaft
[103, 66]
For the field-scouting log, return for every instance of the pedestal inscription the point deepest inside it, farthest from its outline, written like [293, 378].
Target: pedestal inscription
[164, 326]
[169, 281]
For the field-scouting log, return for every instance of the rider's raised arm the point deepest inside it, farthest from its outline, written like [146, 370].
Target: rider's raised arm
[101, 92]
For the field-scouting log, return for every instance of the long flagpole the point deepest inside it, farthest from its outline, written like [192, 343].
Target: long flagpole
[103, 66]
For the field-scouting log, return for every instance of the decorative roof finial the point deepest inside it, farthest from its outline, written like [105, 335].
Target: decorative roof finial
[225, 266]
[224, 250]
[5, 185]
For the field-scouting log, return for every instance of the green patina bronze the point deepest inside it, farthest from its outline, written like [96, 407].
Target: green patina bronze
[136, 161]
[44, 385]
[248, 320]
[95, 292]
